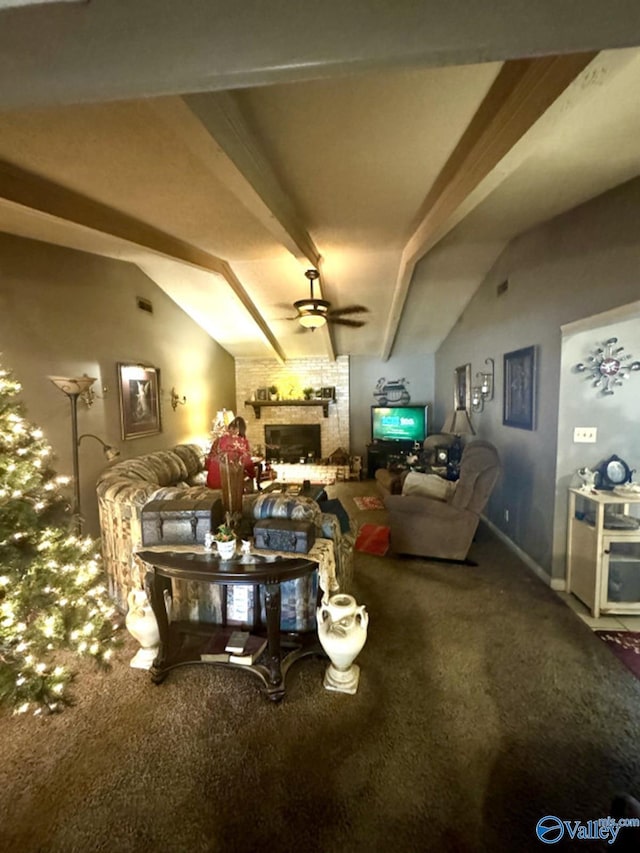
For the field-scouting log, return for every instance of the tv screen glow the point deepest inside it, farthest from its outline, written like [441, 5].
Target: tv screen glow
[399, 423]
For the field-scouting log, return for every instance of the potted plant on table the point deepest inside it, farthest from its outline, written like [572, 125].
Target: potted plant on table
[225, 540]
[273, 392]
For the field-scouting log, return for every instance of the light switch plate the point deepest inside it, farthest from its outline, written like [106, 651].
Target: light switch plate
[585, 435]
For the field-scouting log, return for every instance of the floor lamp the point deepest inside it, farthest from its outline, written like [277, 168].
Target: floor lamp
[74, 387]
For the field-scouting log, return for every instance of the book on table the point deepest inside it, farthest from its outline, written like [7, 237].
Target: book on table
[252, 651]
[216, 650]
[236, 642]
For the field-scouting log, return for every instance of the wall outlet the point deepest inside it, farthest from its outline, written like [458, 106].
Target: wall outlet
[585, 435]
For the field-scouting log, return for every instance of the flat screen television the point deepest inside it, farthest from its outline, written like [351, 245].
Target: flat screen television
[399, 423]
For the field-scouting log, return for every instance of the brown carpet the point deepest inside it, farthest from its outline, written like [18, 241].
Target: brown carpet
[484, 704]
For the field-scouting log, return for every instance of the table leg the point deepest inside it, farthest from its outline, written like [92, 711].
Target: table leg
[155, 586]
[272, 607]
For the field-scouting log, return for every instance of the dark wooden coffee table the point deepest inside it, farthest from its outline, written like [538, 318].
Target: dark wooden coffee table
[182, 642]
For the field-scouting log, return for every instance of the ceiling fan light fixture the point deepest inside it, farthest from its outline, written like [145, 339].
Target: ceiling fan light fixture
[312, 319]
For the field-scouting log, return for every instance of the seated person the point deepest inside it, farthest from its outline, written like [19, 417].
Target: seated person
[234, 443]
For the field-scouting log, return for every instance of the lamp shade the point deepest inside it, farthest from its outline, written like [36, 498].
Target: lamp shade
[458, 423]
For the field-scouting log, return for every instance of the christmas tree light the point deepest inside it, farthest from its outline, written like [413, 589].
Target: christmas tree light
[51, 591]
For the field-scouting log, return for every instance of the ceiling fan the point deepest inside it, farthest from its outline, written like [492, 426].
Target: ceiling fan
[313, 313]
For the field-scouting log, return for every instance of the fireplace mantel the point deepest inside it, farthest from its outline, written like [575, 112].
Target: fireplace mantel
[259, 404]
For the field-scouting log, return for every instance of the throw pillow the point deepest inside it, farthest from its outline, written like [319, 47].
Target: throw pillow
[428, 486]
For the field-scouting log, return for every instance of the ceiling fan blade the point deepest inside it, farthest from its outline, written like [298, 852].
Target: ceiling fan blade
[340, 321]
[348, 309]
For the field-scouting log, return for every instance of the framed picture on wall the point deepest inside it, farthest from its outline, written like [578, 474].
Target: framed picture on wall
[520, 388]
[138, 387]
[462, 387]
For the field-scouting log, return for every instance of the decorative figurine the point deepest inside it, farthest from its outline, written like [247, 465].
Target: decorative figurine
[588, 478]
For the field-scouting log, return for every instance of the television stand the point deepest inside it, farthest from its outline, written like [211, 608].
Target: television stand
[380, 453]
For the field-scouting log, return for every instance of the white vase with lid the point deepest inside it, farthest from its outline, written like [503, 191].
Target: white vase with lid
[342, 631]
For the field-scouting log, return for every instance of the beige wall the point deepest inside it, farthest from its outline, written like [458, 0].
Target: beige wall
[68, 313]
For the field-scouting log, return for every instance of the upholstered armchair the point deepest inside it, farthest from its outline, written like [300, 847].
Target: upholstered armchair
[444, 528]
[389, 480]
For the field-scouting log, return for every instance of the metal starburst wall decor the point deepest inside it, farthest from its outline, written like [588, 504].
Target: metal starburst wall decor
[607, 366]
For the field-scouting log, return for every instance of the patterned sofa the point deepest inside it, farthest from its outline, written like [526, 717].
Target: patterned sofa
[124, 488]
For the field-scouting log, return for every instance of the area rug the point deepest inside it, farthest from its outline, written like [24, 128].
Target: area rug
[626, 646]
[369, 502]
[373, 539]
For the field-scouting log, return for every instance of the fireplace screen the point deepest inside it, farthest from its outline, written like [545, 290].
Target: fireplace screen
[292, 442]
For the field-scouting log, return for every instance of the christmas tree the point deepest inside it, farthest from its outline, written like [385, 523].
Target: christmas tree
[52, 594]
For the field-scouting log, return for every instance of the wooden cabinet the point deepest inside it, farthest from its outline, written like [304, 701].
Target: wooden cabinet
[603, 555]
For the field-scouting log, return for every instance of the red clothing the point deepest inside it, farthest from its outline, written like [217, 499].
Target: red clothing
[237, 448]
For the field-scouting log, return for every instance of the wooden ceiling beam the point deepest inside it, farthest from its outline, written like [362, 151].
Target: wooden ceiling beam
[521, 93]
[35, 193]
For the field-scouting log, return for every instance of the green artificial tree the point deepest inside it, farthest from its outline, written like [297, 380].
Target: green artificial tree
[52, 594]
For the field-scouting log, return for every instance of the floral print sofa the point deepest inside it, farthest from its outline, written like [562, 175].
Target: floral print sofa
[123, 490]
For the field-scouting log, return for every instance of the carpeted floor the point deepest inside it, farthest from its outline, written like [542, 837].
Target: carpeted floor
[484, 704]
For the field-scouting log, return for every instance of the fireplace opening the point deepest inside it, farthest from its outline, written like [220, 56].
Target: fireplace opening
[292, 442]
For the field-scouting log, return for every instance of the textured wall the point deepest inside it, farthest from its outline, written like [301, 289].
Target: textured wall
[574, 266]
[68, 313]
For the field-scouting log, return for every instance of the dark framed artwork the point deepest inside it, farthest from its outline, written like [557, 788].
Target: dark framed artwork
[520, 388]
[462, 387]
[138, 387]
[328, 393]
[262, 393]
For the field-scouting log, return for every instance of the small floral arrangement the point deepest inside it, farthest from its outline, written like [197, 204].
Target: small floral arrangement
[308, 393]
[273, 390]
[224, 534]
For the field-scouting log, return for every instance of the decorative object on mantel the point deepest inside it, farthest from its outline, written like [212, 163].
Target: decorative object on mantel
[307, 393]
[273, 392]
[176, 400]
[342, 631]
[480, 394]
[606, 367]
[262, 394]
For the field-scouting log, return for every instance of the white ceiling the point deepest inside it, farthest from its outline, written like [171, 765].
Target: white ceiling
[224, 148]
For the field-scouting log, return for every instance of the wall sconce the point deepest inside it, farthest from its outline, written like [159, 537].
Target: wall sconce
[483, 392]
[176, 399]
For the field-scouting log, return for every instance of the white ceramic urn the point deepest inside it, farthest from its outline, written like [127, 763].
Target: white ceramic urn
[342, 631]
[143, 627]
[226, 550]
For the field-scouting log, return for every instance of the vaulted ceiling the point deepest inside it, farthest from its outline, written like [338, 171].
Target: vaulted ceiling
[227, 147]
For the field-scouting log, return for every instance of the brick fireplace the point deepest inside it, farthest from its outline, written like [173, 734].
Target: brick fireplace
[290, 379]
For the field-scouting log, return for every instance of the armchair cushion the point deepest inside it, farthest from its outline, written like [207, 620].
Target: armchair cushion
[428, 485]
